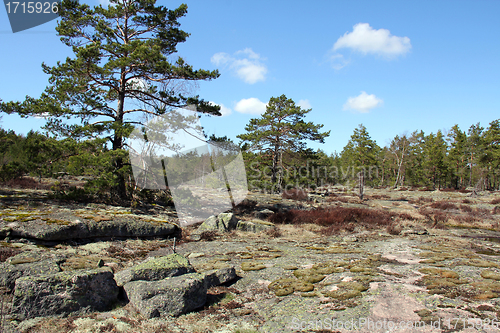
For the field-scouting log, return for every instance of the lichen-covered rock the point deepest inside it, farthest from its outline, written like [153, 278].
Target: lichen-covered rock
[64, 293]
[254, 225]
[222, 223]
[155, 269]
[216, 277]
[28, 263]
[263, 214]
[60, 230]
[171, 296]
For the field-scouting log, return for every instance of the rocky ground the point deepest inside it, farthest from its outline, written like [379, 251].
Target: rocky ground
[434, 267]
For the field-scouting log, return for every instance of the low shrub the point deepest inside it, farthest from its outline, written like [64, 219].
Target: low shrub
[443, 205]
[26, 183]
[295, 194]
[495, 201]
[465, 208]
[274, 232]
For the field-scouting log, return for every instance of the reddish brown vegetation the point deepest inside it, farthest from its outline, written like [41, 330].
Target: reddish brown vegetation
[245, 207]
[420, 200]
[423, 189]
[465, 208]
[273, 232]
[465, 219]
[444, 205]
[495, 201]
[7, 252]
[339, 199]
[466, 201]
[394, 229]
[332, 215]
[378, 196]
[209, 235]
[26, 183]
[338, 218]
[295, 194]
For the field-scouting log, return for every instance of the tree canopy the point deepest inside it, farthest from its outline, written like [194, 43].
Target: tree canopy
[123, 70]
[281, 128]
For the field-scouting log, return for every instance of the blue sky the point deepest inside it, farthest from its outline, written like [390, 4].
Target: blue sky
[394, 66]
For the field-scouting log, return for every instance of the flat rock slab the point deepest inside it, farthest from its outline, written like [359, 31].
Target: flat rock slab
[216, 277]
[155, 269]
[64, 293]
[171, 296]
[27, 264]
[254, 225]
[61, 230]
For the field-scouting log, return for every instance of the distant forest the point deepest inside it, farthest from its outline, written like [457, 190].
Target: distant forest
[457, 160]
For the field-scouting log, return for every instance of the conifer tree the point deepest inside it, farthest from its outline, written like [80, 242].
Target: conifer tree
[122, 70]
[361, 152]
[281, 128]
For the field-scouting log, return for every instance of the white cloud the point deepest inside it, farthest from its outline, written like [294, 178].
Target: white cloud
[363, 102]
[251, 106]
[365, 39]
[304, 104]
[246, 64]
[338, 61]
[225, 111]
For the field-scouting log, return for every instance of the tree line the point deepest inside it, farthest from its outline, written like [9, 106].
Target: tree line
[124, 73]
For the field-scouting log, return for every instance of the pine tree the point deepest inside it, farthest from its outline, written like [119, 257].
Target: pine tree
[280, 129]
[121, 70]
[491, 156]
[361, 153]
[457, 156]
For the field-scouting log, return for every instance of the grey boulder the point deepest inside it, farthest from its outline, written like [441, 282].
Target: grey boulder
[157, 268]
[221, 223]
[217, 277]
[64, 293]
[171, 296]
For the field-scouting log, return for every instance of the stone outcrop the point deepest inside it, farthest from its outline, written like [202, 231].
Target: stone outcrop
[254, 225]
[64, 293]
[263, 214]
[221, 223]
[27, 264]
[217, 277]
[155, 269]
[171, 296]
[61, 230]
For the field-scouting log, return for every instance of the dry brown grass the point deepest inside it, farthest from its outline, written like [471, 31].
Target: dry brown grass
[274, 232]
[495, 201]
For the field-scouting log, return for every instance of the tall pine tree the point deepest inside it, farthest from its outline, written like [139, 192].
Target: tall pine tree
[122, 69]
[281, 128]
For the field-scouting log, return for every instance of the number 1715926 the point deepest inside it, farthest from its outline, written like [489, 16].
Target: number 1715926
[32, 7]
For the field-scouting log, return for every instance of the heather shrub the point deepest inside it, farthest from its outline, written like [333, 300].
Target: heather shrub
[295, 194]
